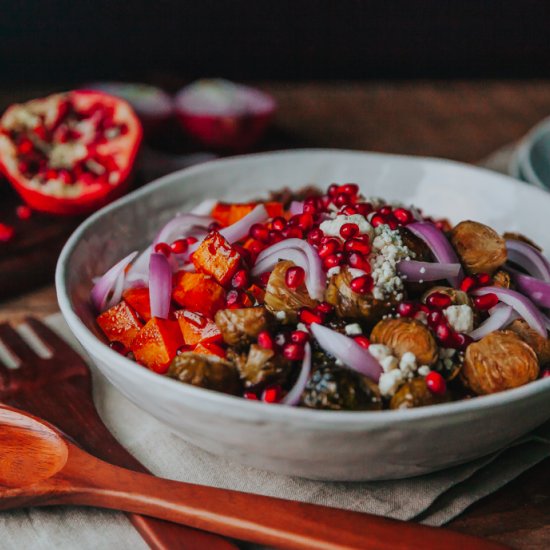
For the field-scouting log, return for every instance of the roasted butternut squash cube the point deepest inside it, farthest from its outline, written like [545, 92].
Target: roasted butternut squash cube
[228, 214]
[120, 324]
[208, 348]
[198, 292]
[157, 344]
[216, 257]
[197, 328]
[138, 298]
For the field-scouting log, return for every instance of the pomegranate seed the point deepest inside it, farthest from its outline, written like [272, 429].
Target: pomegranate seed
[243, 252]
[392, 222]
[41, 132]
[307, 316]
[349, 189]
[250, 395]
[406, 309]
[272, 395]
[486, 302]
[363, 238]
[358, 261]
[294, 276]
[51, 174]
[256, 247]
[119, 347]
[233, 299]
[163, 248]
[23, 212]
[315, 236]
[436, 383]
[467, 284]
[240, 280]
[324, 309]
[377, 220]
[278, 223]
[293, 352]
[87, 179]
[349, 230]
[349, 211]
[25, 147]
[259, 233]
[333, 190]
[191, 240]
[264, 278]
[385, 210]
[275, 236]
[23, 167]
[443, 332]
[65, 176]
[362, 284]
[299, 337]
[546, 373]
[214, 226]
[309, 209]
[7, 233]
[435, 318]
[462, 341]
[483, 279]
[402, 215]
[179, 246]
[357, 245]
[342, 199]
[364, 208]
[265, 340]
[363, 341]
[438, 300]
[424, 308]
[328, 248]
[305, 221]
[333, 260]
[293, 233]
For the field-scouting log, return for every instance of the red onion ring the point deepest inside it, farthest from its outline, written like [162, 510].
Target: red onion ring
[240, 229]
[111, 282]
[296, 207]
[529, 258]
[427, 271]
[536, 290]
[316, 280]
[526, 309]
[439, 245]
[180, 226]
[160, 285]
[348, 351]
[292, 398]
[500, 316]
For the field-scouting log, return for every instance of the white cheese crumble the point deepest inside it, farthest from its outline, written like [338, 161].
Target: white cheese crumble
[332, 227]
[389, 382]
[389, 363]
[461, 318]
[302, 327]
[280, 315]
[379, 351]
[424, 370]
[333, 271]
[353, 329]
[407, 364]
[395, 371]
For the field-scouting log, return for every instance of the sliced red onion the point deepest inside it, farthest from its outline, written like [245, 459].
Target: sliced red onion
[296, 207]
[292, 398]
[316, 280]
[538, 291]
[438, 244]
[139, 271]
[109, 284]
[204, 208]
[427, 271]
[500, 316]
[160, 285]
[240, 229]
[180, 226]
[529, 258]
[347, 350]
[527, 309]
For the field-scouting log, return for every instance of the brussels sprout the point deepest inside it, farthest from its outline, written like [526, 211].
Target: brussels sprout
[206, 371]
[241, 326]
[499, 361]
[415, 393]
[262, 367]
[405, 334]
[540, 345]
[502, 279]
[480, 248]
[278, 297]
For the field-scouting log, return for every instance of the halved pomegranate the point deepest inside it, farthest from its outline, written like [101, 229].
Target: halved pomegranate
[69, 153]
[224, 115]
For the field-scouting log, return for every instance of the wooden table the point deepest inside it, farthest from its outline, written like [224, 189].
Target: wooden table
[465, 121]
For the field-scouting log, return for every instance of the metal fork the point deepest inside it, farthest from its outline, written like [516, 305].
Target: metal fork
[59, 389]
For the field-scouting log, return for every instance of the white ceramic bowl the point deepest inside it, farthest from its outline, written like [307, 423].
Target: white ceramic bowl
[531, 160]
[310, 443]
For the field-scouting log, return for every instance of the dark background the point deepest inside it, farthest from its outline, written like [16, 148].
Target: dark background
[65, 41]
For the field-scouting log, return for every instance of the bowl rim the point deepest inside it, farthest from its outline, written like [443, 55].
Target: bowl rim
[236, 405]
[523, 152]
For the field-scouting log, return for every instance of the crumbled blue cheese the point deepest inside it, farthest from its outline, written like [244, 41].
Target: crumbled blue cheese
[353, 329]
[387, 251]
[379, 351]
[407, 364]
[424, 370]
[332, 227]
[389, 363]
[280, 315]
[460, 318]
[389, 382]
[395, 371]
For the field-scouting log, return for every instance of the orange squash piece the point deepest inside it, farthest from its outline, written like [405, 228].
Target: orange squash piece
[138, 298]
[216, 257]
[198, 292]
[197, 328]
[257, 292]
[227, 214]
[208, 348]
[157, 344]
[120, 324]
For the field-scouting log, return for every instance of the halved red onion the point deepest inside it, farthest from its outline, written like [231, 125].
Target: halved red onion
[525, 307]
[427, 271]
[316, 280]
[439, 245]
[292, 398]
[296, 207]
[180, 226]
[160, 285]
[107, 291]
[529, 258]
[538, 291]
[500, 316]
[348, 351]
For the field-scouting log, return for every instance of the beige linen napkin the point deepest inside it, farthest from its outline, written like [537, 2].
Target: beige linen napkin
[433, 499]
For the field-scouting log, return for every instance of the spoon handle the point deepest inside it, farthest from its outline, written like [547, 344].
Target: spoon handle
[260, 519]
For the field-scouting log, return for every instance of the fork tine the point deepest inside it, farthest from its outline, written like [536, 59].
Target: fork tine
[16, 345]
[49, 338]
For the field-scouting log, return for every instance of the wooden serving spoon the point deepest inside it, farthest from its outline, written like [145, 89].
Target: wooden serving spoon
[39, 466]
